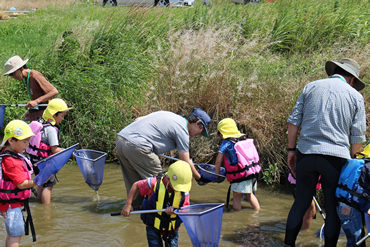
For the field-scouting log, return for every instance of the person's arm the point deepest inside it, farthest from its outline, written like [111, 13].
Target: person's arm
[56, 149]
[26, 184]
[127, 208]
[355, 148]
[218, 163]
[292, 140]
[186, 157]
[45, 97]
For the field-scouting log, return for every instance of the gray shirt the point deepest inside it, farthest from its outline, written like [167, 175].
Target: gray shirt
[332, 116]
[160, 131]
[50, 136]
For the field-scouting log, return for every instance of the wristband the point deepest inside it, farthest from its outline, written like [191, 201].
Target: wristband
[291, 149]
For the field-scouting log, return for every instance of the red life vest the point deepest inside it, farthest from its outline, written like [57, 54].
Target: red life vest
[9, 193]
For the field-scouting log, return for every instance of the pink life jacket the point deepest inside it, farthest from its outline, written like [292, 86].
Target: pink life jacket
[36, 146]
[9, 193]
[247, 166]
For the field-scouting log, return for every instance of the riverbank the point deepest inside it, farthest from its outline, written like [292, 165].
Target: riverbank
[248, 62]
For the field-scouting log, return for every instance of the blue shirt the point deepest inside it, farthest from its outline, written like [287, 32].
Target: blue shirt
[331, 115]
[227, 149]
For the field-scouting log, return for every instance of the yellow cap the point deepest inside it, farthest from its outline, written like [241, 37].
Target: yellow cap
[227, 127]
[180, 176]
[17, 129]
[54, 106]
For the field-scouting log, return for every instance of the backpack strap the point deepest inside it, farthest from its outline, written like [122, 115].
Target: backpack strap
[28, 223]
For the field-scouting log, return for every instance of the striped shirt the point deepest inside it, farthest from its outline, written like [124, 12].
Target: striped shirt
[331, 115]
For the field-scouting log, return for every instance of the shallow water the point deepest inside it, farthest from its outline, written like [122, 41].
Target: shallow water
[77, 216]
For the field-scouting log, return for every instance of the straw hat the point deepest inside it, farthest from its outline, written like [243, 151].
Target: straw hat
[349, 65]
[54, 106]
[227, 127]
[13, 64]
[17, 129]
[180, 175]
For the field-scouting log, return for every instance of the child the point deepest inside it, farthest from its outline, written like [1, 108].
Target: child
[48, 142]
[227, 130]
[15, 176]
[169, 191]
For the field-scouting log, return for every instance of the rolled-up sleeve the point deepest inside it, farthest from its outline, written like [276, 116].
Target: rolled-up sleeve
[358, 128]
[297, 112]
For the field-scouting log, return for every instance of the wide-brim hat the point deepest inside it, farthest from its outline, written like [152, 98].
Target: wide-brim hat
[349, 65]
[54, 106]
[13, 64]
[227, 127]
[17, 129]
[180, 175]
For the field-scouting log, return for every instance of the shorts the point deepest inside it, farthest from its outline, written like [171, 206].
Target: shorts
[247, 186]
[14, 222]
[52, 181]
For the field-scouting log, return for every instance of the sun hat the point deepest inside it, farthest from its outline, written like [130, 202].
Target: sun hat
[180, 176]
[227, 127]
[17, 129]
[54, 106]
[349, 65]
[13, 64]
[204, 118]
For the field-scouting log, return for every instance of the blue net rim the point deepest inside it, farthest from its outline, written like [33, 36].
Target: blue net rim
[212, 173]
[215, 206]
[95, 151]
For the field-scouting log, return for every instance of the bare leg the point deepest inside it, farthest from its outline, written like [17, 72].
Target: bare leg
[46, 195]
[12, 241]
[308, 217]
[253, 200]
[237, 200]
[39, 192]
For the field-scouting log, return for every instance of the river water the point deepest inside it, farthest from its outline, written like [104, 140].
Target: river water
[77, 216]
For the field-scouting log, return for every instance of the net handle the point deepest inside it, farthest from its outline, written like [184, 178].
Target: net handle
[140, 212]
[172, 158]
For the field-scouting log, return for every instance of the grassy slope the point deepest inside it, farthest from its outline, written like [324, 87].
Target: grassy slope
[246, 62]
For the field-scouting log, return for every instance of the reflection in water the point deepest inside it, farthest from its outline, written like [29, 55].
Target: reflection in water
[79, 216]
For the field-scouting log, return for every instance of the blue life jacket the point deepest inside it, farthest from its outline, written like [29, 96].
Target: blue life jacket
[160, 199]
[349, 191]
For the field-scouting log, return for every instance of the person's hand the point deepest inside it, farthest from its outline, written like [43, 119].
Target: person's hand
[126, 210]
[292, 161]
[31, 104]
[170, 210]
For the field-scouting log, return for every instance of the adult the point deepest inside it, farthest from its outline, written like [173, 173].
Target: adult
[39, 89]
[331, 115]
[139, 144]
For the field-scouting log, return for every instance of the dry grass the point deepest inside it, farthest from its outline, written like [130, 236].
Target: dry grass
[32, 4]
[4, 16]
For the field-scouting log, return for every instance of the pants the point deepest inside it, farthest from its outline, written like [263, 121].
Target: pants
[155, 238]
[351, 220]
[136, 164]
[309, 168]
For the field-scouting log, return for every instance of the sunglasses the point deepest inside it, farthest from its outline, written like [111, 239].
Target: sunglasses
[11, 74]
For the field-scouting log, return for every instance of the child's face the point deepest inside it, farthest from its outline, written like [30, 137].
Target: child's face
[19, 146]
[59, 118]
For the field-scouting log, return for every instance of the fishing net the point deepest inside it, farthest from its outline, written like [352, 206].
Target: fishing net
[2, 114]
[53, 164]
[208, 172]
[203, 223]
[91, 164]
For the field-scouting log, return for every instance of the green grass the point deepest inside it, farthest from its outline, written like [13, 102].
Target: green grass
[248, 62]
